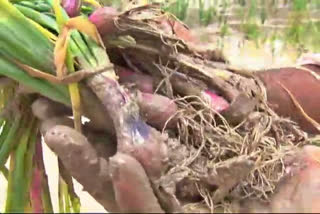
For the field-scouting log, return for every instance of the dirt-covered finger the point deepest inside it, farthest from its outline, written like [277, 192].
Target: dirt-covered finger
[84, 163]
[132, 187]
[44, 108]
[299, 189]
[47, 124]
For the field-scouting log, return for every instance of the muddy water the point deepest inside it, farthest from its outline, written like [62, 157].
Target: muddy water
[251, 56]
[247, 54]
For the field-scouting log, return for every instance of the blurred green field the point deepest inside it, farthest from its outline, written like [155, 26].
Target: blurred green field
[295, 22]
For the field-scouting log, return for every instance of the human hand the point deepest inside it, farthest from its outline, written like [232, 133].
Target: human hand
[299, 189]
[116, 180]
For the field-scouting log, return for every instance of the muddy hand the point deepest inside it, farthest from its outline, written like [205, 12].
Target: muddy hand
[92, 162]
[299, 190]
[119, 183]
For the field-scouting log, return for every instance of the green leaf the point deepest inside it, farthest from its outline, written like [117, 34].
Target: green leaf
[5, 172]
[36, 5]
[300, 5]
[42, 19]
[16, 200]
[7, 144]
[58, 93]
[4, 132]
[27, 48]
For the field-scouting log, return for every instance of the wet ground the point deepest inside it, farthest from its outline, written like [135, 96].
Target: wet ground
[248, 54]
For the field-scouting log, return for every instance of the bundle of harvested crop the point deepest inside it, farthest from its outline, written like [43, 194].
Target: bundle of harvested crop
[180, 128]
[237, 124]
